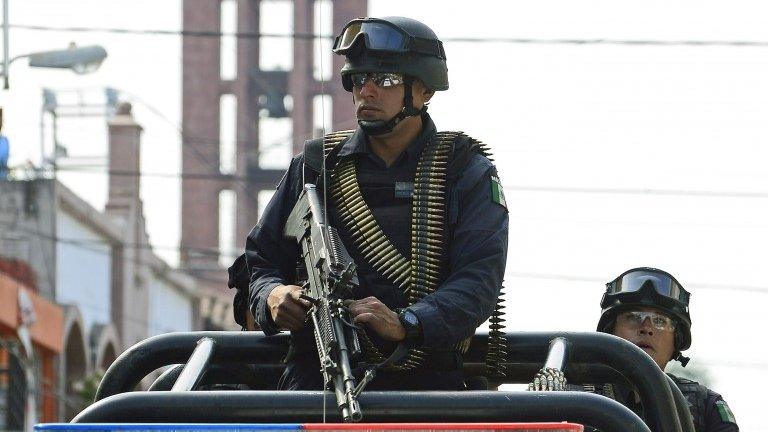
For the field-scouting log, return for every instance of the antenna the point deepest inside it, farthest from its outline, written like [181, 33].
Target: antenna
[319, 9]
[322, 108]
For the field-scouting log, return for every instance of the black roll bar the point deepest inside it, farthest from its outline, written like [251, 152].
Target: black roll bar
[175, 348]
[592, 357]
[600, 348]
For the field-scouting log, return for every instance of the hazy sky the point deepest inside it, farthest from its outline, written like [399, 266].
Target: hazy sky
[612, 155]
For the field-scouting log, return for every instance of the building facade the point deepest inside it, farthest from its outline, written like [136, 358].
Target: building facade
[96, 268]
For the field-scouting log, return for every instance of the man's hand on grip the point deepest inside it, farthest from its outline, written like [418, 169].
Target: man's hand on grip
[287, 309]
[378, 317]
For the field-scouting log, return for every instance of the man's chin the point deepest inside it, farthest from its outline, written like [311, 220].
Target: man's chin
[370, 118]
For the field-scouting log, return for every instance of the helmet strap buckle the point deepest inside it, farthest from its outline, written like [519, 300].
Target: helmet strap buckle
[682, 359]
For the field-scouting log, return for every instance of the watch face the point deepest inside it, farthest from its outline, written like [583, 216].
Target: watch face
[410, 318]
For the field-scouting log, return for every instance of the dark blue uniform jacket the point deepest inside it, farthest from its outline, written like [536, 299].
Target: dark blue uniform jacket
[476, 255]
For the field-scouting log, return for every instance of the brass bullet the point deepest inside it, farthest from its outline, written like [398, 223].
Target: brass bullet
[383, 253]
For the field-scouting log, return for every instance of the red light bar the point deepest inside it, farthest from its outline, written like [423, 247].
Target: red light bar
[427, 427]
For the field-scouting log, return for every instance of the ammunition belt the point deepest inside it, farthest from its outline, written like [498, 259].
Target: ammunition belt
[423, 273]
[496, 356]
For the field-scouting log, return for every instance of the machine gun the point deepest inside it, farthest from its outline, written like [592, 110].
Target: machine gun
[331, 278]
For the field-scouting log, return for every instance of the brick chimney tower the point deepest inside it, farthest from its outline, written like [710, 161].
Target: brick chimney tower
[130, 299]
[124, 159]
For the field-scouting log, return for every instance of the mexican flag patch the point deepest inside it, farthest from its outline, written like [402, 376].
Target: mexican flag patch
[725, 412]
[497, 192]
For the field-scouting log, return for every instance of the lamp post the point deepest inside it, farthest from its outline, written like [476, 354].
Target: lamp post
[80, 60]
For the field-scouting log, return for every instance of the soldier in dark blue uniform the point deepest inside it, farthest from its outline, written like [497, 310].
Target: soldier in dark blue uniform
[421, 212]
[649, 308]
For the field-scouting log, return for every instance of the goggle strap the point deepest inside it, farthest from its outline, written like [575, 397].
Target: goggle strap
[408, 97]
[427, 46]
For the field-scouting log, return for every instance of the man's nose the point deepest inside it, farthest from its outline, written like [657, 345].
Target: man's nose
[647, 326]
[368, 88]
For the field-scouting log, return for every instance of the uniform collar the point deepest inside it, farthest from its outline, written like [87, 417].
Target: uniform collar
[358, 142]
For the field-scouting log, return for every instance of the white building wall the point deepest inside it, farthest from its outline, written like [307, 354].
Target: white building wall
[83, 269]
[169, 309]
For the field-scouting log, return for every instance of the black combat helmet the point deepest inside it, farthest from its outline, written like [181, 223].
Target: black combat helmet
[395, 45]
[648, 287]
[392, 44]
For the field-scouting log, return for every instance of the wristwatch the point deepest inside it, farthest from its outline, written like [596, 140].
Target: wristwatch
[413, 333]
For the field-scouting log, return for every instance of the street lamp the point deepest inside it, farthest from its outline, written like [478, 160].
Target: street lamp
[81, 60]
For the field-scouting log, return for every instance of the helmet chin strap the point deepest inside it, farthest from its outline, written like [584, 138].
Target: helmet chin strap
[381, 127]
[682, 359]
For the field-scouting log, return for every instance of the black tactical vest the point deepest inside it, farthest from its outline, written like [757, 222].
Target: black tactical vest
[696, 394]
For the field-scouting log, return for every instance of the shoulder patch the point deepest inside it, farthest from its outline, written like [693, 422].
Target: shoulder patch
[725, 412]
[497, 192]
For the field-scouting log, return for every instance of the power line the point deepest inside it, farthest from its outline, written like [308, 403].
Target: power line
[555, 189]
[592, 279]
[530, 275]
[461, 39]
[92, 246]
[187, 138]
[198, 153]
[148, 246]
[638, 191]
[192, 33]
[520, 188]
[130, 173]
[601, 41]
[240, 182]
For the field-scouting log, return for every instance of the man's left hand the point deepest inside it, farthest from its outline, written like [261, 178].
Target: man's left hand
[378, 317]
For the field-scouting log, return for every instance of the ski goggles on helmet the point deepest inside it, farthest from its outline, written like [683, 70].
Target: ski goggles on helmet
[381, 35]
[664, 284]
[381, 79]
[636, 319]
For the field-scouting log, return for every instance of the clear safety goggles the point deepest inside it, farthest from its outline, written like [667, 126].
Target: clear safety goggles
[381, 79]
[380, 35]
[635, 319]
[664, 284]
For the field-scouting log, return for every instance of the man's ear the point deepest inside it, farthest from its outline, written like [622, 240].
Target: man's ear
[425, 92]
[428, 93]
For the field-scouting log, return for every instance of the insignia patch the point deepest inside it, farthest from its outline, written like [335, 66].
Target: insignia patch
[403, 190]
[725, 412]
[497, 192]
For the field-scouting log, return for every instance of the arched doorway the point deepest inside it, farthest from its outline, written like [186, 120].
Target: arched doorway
[75, 370]
[107, 357]
[105, 346]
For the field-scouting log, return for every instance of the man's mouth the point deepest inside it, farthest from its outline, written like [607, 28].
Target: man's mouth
[366, 110]
[645, 345]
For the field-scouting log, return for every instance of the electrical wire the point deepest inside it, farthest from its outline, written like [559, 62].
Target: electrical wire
[461, 39]
[599, 281]
[96, 246]
[530, 275]
[519, 188]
